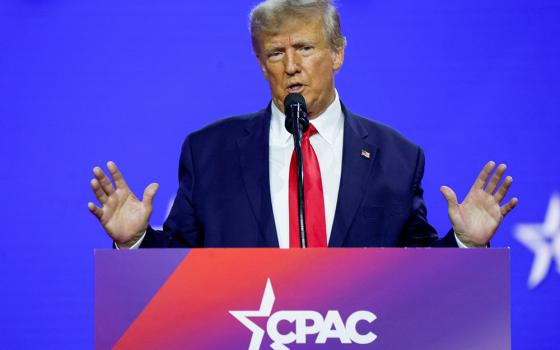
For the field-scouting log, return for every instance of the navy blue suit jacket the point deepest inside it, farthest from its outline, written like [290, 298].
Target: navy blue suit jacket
[223, 198]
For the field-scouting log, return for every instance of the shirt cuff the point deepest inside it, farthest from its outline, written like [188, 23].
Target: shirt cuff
[459, 243]
[137, 244]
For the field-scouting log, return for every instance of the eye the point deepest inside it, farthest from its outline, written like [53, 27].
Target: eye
[275, 55]
[307, 49]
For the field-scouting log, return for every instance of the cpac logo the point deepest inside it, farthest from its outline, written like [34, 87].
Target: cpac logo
[305, 323]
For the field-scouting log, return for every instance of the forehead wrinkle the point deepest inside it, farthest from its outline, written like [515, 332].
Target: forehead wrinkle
[280, 40]
[303, 42]
[290, 41]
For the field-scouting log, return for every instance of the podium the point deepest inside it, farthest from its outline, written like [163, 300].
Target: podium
[346, 298]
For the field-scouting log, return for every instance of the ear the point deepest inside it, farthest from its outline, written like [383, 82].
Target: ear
[262, 64]
[337, 56]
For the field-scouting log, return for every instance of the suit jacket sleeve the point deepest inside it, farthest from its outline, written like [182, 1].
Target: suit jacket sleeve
[417, 231]
[181, 229]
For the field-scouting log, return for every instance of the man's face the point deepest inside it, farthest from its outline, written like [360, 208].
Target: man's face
[299, 59]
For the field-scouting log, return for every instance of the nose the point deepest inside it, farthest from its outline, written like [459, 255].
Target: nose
[291, 62]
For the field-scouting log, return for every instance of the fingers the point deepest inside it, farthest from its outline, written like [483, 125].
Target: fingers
[149, 194]
[116, 174]
[106, 184]
[495, 179]
[483, 176]
[506, 208]
[492, 186]
[98, 212]
[98, 191]
[101, 186]
[450, 196]
[503, 190]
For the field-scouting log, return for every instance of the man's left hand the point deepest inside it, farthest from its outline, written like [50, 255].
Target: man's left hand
[476, 220]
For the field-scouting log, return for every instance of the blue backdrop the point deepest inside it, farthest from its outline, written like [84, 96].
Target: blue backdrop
[83, 82]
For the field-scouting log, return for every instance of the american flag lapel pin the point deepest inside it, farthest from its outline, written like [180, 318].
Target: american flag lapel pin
[365, 154]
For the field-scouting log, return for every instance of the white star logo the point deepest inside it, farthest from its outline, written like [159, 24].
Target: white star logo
[543, 240]
[266, 308]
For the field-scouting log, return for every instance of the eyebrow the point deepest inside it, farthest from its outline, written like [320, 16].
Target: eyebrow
[297, 43]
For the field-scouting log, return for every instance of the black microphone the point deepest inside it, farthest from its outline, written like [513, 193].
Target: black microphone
[296, 113]
[297, 123]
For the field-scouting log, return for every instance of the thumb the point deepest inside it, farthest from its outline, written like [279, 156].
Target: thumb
[149, 194]
[450, 197]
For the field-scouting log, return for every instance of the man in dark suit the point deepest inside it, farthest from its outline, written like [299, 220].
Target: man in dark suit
[234, 187]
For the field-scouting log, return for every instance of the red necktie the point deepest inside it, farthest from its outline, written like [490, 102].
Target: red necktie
[313, 196]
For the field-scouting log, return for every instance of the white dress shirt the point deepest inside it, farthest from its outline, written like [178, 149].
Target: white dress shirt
[327, 143]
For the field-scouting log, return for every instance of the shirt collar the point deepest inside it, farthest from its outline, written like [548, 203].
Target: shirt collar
[328, 123]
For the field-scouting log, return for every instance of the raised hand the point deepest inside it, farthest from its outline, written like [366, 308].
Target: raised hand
[121, 214]
[476, 220]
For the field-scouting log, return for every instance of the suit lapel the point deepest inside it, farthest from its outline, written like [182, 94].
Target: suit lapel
[356, 168]
[253, 153]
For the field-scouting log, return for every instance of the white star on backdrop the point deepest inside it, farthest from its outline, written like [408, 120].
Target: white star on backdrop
[544, 241]
[264, 311]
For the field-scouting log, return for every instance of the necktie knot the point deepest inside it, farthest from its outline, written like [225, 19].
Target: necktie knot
[310, 132]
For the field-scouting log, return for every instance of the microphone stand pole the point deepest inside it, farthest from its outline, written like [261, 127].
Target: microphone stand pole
[298, 136]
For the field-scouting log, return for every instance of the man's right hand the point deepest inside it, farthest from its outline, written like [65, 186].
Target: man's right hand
[121, 214]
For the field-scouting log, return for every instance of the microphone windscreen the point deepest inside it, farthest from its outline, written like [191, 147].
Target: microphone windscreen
[294, 99]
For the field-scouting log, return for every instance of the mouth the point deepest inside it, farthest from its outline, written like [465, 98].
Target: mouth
[295, 88]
